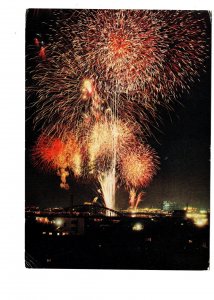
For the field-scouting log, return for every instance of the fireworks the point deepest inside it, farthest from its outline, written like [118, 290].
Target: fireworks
[107, 182]
[73, 154]
[145, 57]
[53, 154]
[108, 148]
[102, 75]
[47, 153]
[150, 53]
[108, 142]
[134, 198]
[139, 166]
[106, 136]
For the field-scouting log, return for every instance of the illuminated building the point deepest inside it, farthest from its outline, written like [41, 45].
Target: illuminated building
[169, 206]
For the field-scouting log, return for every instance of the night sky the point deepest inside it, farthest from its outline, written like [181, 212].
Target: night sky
[182, 143]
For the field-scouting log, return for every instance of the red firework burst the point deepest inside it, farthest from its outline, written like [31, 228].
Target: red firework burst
[47, 151]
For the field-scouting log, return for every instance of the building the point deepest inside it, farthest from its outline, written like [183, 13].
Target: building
[169, 206]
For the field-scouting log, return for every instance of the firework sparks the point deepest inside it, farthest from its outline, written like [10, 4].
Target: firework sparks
[58, 156]
[107, 142]
[139, 166]
[73, 154]
[107, 135]
[136, 163]
[47, 152]
[132, 197]
[107, 182]
[87, 88]
[63, 175]
[145, 57]
[151, 53]
[99, 76]
[42, 53]
[135, 198]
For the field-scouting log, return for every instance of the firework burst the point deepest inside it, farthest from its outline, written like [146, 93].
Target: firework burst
[59, 156]
[47, 153]
[139, 166]
[97, 58]
[106, 137]
[153, 54]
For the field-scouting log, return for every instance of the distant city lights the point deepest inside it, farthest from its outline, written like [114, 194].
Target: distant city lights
[58, 222]
[138, 227]
[200, 218]
[201, 221]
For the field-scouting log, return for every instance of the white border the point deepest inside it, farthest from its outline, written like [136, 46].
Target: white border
[16, 281]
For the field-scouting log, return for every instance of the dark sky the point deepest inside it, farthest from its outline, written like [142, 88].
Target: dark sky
[183, 145]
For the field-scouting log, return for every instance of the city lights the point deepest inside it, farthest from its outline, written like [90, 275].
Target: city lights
[58, 222]
[138, 227]
[199, 218]
[200, 222]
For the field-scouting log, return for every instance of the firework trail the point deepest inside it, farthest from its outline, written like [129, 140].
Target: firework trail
[42, 53]
[108, 141]
[134, 198]
[139, 198]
